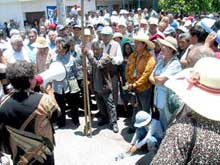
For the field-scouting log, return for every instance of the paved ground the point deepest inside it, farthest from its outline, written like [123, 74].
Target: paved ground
[73, 148]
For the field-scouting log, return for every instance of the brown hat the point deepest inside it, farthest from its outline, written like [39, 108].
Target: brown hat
[40, 42]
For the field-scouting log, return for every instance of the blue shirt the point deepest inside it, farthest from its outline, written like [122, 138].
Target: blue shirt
[68, 61]
[167, 70]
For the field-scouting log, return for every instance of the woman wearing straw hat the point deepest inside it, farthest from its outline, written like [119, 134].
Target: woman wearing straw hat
[138, 69]
[194, 138]
[167, 66]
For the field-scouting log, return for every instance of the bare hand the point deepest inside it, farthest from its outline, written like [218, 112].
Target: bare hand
[210, 39]
[130, 87]
[133, 149]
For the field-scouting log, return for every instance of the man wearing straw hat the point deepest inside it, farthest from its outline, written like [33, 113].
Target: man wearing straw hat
[194, 137]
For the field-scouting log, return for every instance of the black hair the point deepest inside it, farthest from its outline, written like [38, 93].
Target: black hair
[199, 32]
[66, 42]
[19, 74]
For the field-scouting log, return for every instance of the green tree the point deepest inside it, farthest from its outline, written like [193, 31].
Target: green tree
[190, 6]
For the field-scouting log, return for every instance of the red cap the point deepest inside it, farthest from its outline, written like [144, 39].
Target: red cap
[52, 26]
[155, 36]
[190, 18]
[39, 80]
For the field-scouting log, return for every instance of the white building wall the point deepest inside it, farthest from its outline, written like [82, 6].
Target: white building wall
[12, 9]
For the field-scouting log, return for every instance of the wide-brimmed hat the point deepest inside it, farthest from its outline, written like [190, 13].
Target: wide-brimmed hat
[40, 42]
[199, 87]
[117, 34]
[169, 41]
[142, 118]
[143, 38]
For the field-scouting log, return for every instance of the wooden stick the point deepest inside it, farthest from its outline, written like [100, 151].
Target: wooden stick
[87, 112]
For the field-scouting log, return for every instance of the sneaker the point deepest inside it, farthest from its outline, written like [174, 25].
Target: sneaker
[103, 122]
[115, 128]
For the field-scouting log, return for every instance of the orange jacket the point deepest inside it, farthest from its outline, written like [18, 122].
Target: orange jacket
[143, 65]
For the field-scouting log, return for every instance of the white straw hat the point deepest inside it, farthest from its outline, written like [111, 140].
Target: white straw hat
[144, 38]
[199, 87]
[40, 42]
[142, 118]
[169, 41]
[117, 34]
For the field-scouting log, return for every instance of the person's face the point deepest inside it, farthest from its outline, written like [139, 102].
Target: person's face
[139, 46]
[153, 28]
[43, 29]
[117, 39]
[97, 51]
[52, 37]
[128, 49]
[157, 47]
[33, 83]
[183, 44]
[194, 40]
[122, 29]
[77, 32]
[59, 45]
[17, 46]
[43, 50]
[130, 28]
[62, 33]
[32, 37]
[87, 38]
[106, 38]
[166, 51]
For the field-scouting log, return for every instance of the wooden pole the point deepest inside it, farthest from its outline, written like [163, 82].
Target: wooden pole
[61, 12]
[87, 128]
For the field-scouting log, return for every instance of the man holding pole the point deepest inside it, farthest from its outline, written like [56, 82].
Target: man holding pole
[102, 84]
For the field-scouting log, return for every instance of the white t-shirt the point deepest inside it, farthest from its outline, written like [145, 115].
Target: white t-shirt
[11, 56]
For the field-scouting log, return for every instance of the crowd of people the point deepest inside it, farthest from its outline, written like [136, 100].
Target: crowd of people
[165, 68]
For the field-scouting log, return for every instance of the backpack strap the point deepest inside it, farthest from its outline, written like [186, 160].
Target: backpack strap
[193, 141]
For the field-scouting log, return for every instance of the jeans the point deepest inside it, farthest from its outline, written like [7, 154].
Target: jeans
[152, 141]
[144, 100]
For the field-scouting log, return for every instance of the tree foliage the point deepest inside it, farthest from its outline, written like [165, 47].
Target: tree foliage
[190, 6]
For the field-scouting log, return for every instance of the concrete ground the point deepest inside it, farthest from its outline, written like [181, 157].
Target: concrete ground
[73, 148]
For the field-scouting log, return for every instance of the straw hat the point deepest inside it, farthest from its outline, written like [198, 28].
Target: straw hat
[41, 42]
[169, 41]
[144, 38]
[199, 87]
[117, 34]
[142, 118]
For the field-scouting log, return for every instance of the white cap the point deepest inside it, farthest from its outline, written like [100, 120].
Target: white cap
[107, 30]
[153, 21]
[87, 32]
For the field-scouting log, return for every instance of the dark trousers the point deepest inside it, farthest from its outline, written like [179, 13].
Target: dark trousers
[107, 107]
[72, 99]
